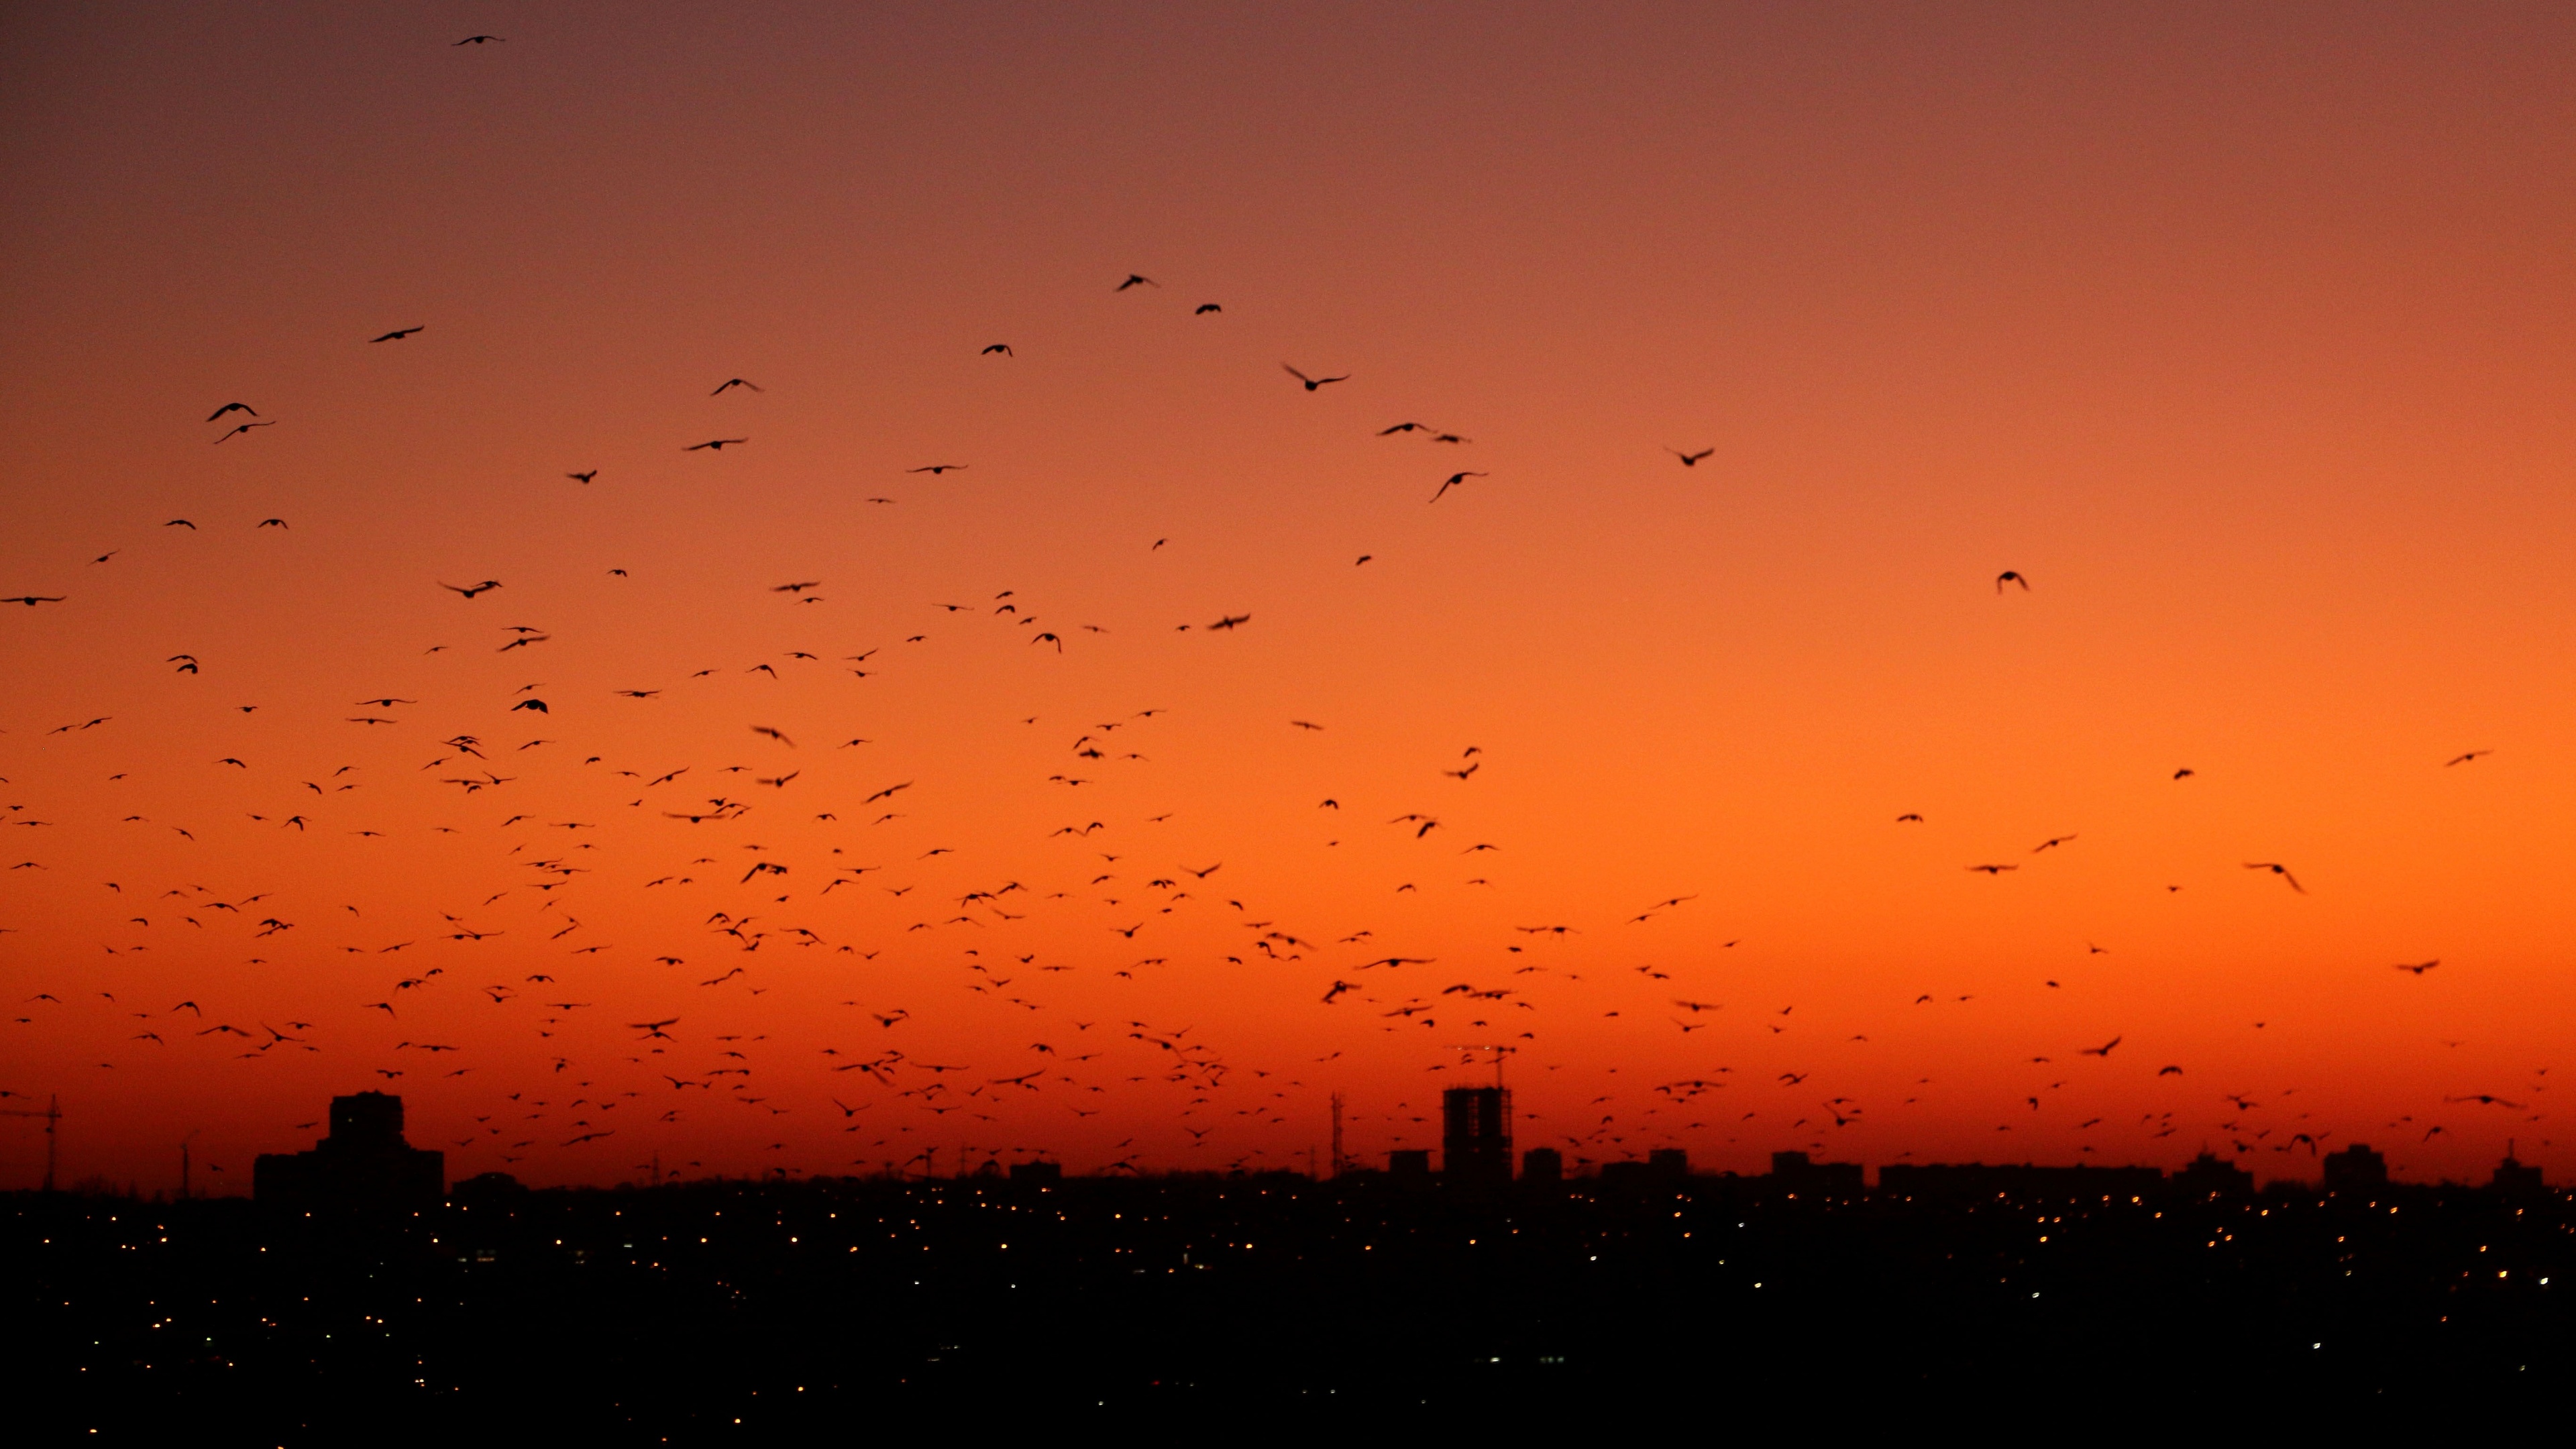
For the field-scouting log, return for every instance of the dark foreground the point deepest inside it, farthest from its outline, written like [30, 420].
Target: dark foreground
[737, 1311]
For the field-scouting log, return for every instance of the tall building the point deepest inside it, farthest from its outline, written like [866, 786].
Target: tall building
[1543, 1166]
[363, 1163]
[2355, 1169]
[1476, 1135]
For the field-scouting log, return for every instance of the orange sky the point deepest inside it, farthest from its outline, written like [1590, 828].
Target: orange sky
[2244, 338]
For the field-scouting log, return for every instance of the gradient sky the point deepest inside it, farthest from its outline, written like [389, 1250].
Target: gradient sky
[2242, 335]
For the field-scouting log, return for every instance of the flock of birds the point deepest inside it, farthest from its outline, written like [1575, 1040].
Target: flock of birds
[600, 1079]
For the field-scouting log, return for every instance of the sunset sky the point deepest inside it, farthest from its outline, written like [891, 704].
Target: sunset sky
[2241, 334]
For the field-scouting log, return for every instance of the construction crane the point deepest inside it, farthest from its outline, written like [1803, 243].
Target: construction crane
[1500, 1051]
[53, 1114]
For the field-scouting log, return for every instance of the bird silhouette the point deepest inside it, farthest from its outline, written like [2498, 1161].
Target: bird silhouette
[1314, 383]
[2280, 870]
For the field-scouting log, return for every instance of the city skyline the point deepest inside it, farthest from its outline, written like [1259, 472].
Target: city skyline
[789, 590]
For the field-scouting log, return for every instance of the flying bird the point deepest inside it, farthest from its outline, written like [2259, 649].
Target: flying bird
[714, 444]
[2008, 576]
[1453, 481]
[2464, 759]
[1690, 460]
[486, 585]
[1135, 279]
[242, 428]
[1314, 383]
[218, 413]
[2280, 870]
[733, 382]
[2420, 967]
[401, 333]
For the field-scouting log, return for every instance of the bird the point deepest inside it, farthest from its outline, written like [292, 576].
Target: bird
[32, 600]
[1993, 869]
[1205, 308]
[1690, 460]
[242, 428]
[483, 587]
[218, 413]
[399, 333]
[715, 445]
[2009, 576]
[1314, 383]
[2051, 843]
[733, 382]
[2184, 774]
[480, 40]
[1454, 480]
[935, 469]
[2104, 1050]
[583, 477]
[2280, 870]
[2418, 968]
[1135, 279]
[1003, 348]
[2465, 758]
[1909, 817]
[1231, 620]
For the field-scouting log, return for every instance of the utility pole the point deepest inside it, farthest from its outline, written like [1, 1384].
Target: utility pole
[53, 1115]
[183, 1161]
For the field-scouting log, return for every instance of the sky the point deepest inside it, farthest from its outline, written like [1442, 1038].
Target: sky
[2142, 431]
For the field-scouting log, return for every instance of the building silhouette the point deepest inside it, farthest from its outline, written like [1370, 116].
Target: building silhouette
[1410, 1165]
[1543, 1167]
[2355, 1169]
[2210, 1173]
[1041, 1173]
[1664, 1167]
[1476, 1135]
[363, 1163]
[2515, 1178]
[1792, 1172]
[1977, 1179]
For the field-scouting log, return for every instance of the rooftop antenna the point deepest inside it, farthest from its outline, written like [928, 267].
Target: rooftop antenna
[53, 1115]
[1337, 1134]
